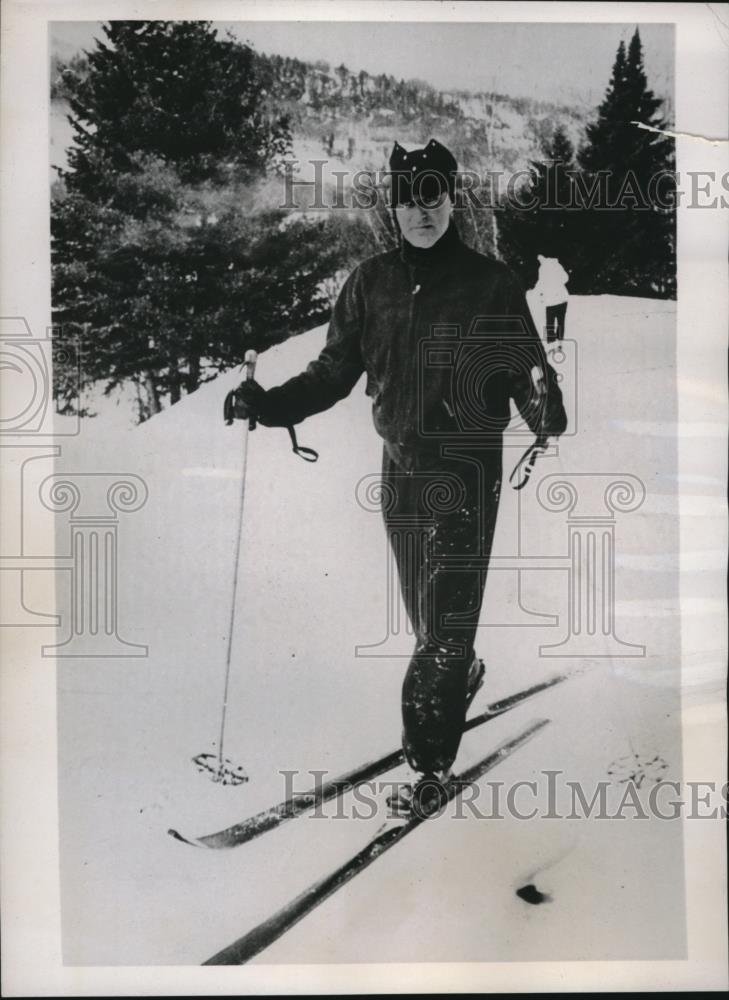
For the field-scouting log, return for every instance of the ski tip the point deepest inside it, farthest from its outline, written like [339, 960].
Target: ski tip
[183, 840]
[536, 724]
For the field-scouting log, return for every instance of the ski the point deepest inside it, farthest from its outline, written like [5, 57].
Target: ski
[274, 816]
[270, 930]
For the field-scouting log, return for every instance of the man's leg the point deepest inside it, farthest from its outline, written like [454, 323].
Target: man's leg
[444, 603]
[401, 498]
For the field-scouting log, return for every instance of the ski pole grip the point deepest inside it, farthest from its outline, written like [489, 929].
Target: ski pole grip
[250, 362]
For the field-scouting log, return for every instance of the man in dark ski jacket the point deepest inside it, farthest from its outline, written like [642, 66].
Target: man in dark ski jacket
[445, 338]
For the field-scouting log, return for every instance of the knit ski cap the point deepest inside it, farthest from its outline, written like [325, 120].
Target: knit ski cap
[422, 174]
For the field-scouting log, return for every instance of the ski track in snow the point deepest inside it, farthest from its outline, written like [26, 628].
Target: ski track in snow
[312, 587]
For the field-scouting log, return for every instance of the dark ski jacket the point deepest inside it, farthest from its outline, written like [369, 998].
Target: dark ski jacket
[445, 338]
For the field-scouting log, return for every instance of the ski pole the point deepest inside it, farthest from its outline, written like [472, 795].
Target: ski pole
[250, 425]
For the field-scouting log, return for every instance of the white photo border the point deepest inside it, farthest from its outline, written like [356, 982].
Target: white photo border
[29, 847]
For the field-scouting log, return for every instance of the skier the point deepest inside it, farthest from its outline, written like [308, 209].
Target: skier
[445, 338]
[552, 290]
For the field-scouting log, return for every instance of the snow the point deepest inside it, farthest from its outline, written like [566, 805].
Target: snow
[311, 589]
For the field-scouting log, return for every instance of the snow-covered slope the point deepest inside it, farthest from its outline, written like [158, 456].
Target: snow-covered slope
[312, 588]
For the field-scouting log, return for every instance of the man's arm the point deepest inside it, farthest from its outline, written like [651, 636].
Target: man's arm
[534, 385]
[329, 378]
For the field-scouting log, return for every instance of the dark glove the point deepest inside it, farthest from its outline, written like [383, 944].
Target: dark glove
[554, 417]
[246, 402]
[252, 402]
[540, 402]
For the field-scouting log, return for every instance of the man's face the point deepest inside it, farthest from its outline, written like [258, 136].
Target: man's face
[422, 223]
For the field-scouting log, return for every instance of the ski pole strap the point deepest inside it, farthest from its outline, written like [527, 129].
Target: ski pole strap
[308, 454]
[525, 466]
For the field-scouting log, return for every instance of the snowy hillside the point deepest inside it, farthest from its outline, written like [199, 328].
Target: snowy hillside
[500, 133]
[312, 588]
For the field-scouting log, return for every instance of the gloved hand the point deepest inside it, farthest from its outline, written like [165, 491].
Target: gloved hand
[554, 417]
[539, 399]
[246, 402]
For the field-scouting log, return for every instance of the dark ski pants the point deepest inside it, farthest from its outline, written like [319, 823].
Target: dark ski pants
[556, 322]
[440, 523]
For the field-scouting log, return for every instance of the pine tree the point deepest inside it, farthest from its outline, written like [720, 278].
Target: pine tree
[546, 225]
[163, 265]
[627, 244]
[169, 300]
[169, 89]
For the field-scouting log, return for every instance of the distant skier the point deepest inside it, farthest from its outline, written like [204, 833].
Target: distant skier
[551, 288]
[445, 338]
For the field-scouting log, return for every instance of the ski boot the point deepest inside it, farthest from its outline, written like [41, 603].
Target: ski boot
[428, 791]
[423, 798]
